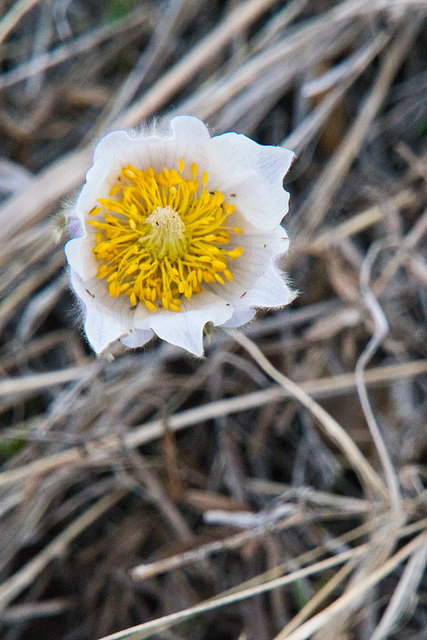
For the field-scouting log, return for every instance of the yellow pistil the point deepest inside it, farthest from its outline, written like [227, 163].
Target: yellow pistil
[160, 236]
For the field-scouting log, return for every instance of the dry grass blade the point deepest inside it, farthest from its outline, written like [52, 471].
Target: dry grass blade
[70, 49]
[381, 331]
[330, 426]
[40, 381]
[146, 630]
[408, 245]
[363, 220]
[25, 576]
[384, 540]
[404, 594]
[142, 572]
[102, 449]
[322, 194]
[239, 18]
[324, 593]
[52, 184]
[312, 124]
[13, 16]
[319, 620]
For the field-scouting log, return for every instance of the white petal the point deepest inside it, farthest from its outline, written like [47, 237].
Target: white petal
[254, 272]
[74, 256]
[270, 290]
[157, 145]
[185, 329]
[183, 137]
[191, 136]
[254, 174]
[104, 323]
[101, 328]
[240, 316]
[113, 146]
[80, 256]
[136, 338]
[99, 179]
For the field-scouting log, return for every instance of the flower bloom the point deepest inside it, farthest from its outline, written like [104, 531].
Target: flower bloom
[174, 229]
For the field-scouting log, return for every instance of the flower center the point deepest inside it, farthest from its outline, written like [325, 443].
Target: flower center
[160, 236]
[167, 237]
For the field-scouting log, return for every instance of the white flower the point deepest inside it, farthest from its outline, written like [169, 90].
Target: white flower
[174, 229]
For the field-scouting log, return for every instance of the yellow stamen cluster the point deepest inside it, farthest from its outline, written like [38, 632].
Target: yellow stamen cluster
[161, 236]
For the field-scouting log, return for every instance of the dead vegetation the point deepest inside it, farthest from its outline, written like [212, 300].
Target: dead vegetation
[276, 488]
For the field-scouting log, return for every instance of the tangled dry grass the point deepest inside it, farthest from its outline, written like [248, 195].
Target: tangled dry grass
[276, 488]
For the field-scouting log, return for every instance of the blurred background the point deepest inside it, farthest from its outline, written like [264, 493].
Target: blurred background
[148, 482]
